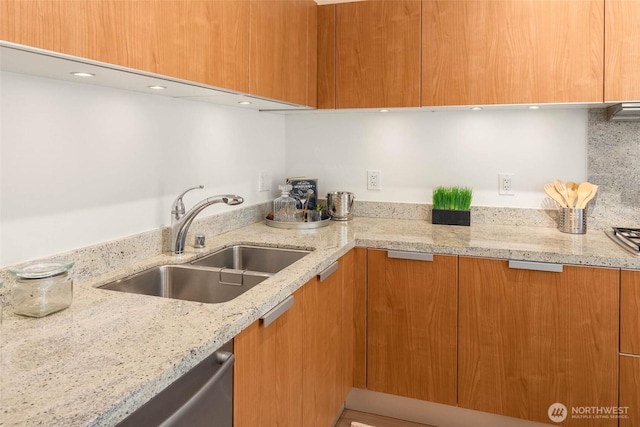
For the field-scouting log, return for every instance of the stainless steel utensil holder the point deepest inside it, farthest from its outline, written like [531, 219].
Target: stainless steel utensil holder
[572, 221]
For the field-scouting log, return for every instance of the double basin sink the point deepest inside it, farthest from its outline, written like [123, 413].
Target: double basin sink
[216, 278]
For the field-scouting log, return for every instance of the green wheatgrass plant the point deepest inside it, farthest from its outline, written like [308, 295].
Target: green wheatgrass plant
[452, 198]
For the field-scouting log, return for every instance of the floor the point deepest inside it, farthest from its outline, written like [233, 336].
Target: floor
[373, 420]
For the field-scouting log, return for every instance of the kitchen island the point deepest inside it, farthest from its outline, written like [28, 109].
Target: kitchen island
[110, 352]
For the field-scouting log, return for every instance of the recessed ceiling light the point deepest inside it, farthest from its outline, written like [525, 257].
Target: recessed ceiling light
[533, 107]
[156, 87]
[82, 74]
[476, 108]
[384, 110]
[244, 102]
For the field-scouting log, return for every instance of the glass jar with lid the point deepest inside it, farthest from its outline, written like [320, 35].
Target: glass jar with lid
[42, 288]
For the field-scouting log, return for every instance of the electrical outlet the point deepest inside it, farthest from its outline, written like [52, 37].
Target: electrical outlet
[505, 184]
[374, 180]
[264, 181]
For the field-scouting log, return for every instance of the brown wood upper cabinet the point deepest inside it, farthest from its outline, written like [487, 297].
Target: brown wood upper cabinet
[512, 51]
[527, 339]
[283, 60]
[377, 54]
[622, 51]
[201, 40]
[205, 41]
[412, 324]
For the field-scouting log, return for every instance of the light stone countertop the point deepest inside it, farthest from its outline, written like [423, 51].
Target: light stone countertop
[110, 352]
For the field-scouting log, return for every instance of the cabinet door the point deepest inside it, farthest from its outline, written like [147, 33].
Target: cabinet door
[630, 312]
[268, 371]
[629, 391]
[359, 317]
[209, 40]
[512, 51]
[205, 41]
[622, 51]
[528, 339]
[323, 355]
[116, 32]
[283, 50]
[378, 54]
[327, 56]
[412, 327]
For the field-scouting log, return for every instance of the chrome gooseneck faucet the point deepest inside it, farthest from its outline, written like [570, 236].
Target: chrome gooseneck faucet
[181, 219]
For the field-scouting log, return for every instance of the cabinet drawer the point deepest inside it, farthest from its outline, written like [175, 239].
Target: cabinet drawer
[630, 312]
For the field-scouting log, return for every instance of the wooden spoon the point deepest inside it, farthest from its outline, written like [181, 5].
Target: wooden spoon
[594, 190]
[584, 190]
[563, 192]
[551, 191]
[572, 193]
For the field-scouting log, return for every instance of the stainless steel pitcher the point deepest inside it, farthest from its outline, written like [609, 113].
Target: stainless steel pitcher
[340, 205]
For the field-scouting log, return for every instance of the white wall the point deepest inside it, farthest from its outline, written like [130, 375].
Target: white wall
[81, 164]
[417, 151]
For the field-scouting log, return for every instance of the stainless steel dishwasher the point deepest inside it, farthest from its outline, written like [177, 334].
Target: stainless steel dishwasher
[203, 397]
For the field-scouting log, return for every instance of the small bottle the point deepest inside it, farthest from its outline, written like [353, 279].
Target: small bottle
[284, 207]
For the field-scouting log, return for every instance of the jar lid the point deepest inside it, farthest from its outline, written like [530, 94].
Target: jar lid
[42, 270]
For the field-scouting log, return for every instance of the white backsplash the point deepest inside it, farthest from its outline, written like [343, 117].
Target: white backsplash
[416, 151]
[81, 164]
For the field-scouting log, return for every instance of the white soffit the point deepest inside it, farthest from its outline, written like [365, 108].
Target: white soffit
[37, 62]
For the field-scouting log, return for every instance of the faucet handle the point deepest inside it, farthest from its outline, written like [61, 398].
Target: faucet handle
[178, 208]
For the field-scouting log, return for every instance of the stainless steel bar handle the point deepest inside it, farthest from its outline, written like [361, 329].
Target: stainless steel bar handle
[324, 274]
[277, 311]
[415, 256]
[536, 266]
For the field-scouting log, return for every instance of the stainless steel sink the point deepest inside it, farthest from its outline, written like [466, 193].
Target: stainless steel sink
[188, 283]
[217, 278]
[252, 258]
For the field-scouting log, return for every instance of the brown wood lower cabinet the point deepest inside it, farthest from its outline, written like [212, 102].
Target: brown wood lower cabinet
[629, 391]
[630, 312]
[528, 339]
[298, 370]
[412, 326]
[268, 371]
[324, 354]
